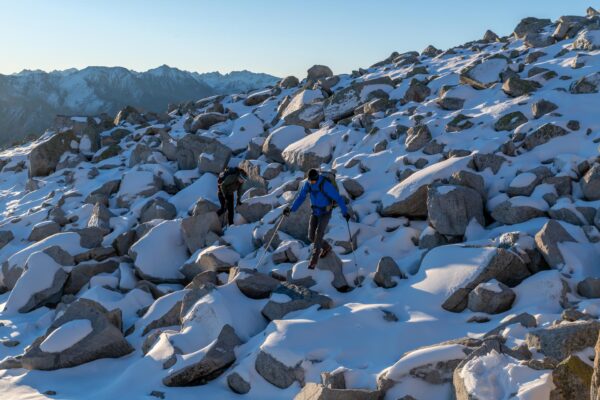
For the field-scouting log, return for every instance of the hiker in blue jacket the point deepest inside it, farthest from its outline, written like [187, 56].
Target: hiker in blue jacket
[323, 195]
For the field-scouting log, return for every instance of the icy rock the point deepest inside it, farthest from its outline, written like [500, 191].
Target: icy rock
[547, 240]
[206, 121]
[490, 37]
[235, 381]
[81, 274]
[587, 84]
[253, 284]
[316, 391]
[46, 152]
[100, 218]
[333, 263]
[308, 116]
[157, 208]
[219, 356]
[590, 183]
[42, 230]
[417, 91]
[277, 373]
[509, 212]
[281, 138]
[589, 287]
[257, 98]
[190, 147]
[105, 340]
[343, 102]
[491, 298]
[543, 135]
[41, 283]
[504, 266]
[5, 238]
[451, 208]
[515, 87]
[301, 298]
[510, 122]
[200, 231]
[560, 341]
[572, 379]
[386, 270]
[417, 137]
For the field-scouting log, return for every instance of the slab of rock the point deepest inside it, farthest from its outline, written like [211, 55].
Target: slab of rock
[201, 230]
[253, 284]
[547, 240]
[417, 91]
[253, 211]
[515, 87]
[317, 72]
[491, 298]
[387, 269]
[344, 101]
[510, 213]
[333, 263]
[279, 139]
[5, 238]
[572, 379]
[277, 373]
[510, 122]
[485, 74]
[481, 162]
[530, 25]
[191, 146]
[451, 208]
[42, 230]
[417, 137]
[206, 121]
[157, 208]
[504, 266]
[590, 183]
[560, 341]
[543, 135]
[104, 341]
[450, 103]
[308, 116]
[542, 107]
[301, 298]
[311, 151]
[238, 384]
[586, 85]
[219, 356]
[316, 391]
[46, 153]
[81, 274]
[296, 225]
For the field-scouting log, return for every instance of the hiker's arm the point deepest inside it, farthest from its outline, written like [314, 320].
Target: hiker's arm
[301, 197]
[330, 191]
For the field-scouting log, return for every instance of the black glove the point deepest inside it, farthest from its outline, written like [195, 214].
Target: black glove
[347, 216]
[287, 211]
[239, 202]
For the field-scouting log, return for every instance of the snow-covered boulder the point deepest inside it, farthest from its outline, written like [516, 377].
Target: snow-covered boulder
[210, 364]
[47, 151]
[85, 332]
[317, 72]
[206, 121]
[137, 184]
[281, 138]
[387, 269]
[451, 208]
[588, 40]
[510, 121]
[311, 151]
[157, 208]
[80, 275]
[590, 184]
[201, 230]
[245, 128]
[41, 283]
[296, 298]
[159, 254]
[42, 230]
[559, 341]
[485, 74]
[519, 209]
[343, 102]
[417, 137]
[216, 258]
[548, 239]
[190, 147]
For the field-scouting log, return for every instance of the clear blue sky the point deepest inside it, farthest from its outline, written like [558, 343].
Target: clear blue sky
[279, 37]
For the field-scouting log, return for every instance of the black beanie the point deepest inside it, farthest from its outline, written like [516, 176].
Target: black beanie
[313, 175]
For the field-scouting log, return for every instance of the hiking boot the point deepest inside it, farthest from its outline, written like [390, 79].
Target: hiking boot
[312, 265]
[324, 252]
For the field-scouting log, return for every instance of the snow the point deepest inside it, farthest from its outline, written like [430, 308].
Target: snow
[488, 71]
[66, 336]
[492, 286]
[523, 180]
[445, 189]
[286, 135]
[245, 128]
[417, 358]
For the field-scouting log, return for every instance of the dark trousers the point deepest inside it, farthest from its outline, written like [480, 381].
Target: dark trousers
[316, 232]
[226, 202]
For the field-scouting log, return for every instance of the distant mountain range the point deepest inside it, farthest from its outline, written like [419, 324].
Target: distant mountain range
[29, 100]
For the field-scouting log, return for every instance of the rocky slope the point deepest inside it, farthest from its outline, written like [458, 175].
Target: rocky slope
[474, 176]
[30, 100]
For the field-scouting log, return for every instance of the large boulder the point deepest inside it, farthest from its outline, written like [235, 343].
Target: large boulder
[317, 72]
[47, 151]
[281, 138]
[572, 379]
[81, 274]
[85, 332]
[333, 264]
[311, 151]
[136, 184]
[590, 183]
[530, 25]
[510, 121]
[300, 298]
[588, 40]
[343, 102]
[206, 120]
[417, 137]
[451, 208]
[219, 356]
[517, 210]
[100, 218]
[417, 91]
[201, 230]
[515, 86]
[548, 239]
[42, 230]
[190, 147]
[543, 135]
[41, 283]
[253, 284]
[277, 373]
[560, 341]
[485, 74]
[587, 84]
[157, 208]
[387, 269]
[589, 287]
[491, 297]
[296, 225]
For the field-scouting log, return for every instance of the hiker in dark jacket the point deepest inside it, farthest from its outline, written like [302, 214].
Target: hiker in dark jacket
[229, 182]
[323, 194]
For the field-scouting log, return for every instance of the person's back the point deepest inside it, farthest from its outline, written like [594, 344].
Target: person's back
[229, 183]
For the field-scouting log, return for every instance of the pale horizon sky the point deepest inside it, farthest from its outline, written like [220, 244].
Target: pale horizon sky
[277, 37]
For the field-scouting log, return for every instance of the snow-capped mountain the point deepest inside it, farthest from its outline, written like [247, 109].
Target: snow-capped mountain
[470, 270]
[30, 100]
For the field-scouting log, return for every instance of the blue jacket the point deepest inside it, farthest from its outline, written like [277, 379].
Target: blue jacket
[318, 200]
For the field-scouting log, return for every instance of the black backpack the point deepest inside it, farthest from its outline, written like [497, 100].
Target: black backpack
[233, 171]
[331, 177]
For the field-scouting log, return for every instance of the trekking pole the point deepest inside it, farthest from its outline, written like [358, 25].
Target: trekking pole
[358, 281]
[270, 241]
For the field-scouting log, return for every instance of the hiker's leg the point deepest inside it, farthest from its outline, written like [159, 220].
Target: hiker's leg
[222, 202]
[230, 211]
[321, 228]
[313, 224]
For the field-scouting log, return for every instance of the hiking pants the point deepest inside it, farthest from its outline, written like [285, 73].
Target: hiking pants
[316, 232]
[226, 202]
